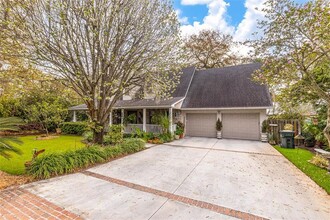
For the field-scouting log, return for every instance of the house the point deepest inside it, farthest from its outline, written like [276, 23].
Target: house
[200, 98]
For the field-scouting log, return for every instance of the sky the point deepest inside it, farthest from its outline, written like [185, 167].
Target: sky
[235, 17]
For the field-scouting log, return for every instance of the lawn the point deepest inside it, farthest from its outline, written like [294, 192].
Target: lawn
[15, 165]
[300, 157]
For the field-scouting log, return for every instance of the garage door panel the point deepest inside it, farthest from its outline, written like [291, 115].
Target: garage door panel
[201, 125]
[241, 126]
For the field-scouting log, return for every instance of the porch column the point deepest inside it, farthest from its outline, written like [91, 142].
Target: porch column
[170, 115]
[144, 127]
[122, 117]
[74, 119]
[110, 118]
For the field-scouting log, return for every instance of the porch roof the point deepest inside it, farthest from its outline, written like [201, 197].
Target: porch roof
[137, 103]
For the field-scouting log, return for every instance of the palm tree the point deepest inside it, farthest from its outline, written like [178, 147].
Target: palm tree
[6, 143]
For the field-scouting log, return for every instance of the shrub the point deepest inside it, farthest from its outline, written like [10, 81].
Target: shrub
[265, 126]
[56, 164]
[132, 145]
[167, 137]
[77, 128]
[319, 161]
[162, 120]
[115, 135]
[138, 133]
[88, 136]
[218, 125]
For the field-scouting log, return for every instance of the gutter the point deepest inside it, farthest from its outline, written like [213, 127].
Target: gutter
[231, 108]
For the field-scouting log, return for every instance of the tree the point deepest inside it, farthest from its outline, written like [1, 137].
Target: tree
[6, 143]
[102, 48]
[47, 114]
[211, 49]
[296, 50]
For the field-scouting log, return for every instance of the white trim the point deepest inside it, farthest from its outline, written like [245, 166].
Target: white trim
[170, 115]
[192, 77]
[234, 108]
[110, 118]
[142, 107]
[177, 102]
[74, 119]
[144, 120]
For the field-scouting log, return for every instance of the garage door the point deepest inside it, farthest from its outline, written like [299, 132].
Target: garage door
[201, 125]
[240, 126]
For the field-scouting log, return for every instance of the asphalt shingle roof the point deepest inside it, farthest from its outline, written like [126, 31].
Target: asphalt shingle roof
[227, 87]
[185, 79]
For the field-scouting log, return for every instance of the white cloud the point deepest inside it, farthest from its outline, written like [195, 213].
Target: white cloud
[215, 19]
[195, 2]
[249, 23]
[182, 20]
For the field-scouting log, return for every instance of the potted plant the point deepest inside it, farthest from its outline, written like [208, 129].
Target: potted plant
[180, 129]
[264, 131]
[218, 126]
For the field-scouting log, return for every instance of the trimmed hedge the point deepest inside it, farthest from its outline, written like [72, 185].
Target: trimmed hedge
[62, 163]
[77, 128]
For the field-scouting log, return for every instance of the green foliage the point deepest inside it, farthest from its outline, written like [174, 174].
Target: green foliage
[315, 131]
[218, 125]
[166, 137]
[295, 48]
[7, 143]
[300, 158]
[130, 119]
[162, 120]
[179, 131]
[77, 128]
[60, 163]
[179, 128]
[138, 133]
[47, 114]
[115, 135]
[88, 136]
[132, 145]
[265, 126]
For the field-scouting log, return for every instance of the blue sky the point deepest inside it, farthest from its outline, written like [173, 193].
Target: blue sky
[236, 11]
[236, 17]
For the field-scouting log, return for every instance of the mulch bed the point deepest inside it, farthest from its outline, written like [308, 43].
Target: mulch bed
[7, 180]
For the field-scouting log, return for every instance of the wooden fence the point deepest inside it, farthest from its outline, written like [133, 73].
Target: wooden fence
[277, 125]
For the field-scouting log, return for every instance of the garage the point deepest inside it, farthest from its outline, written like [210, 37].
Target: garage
[201, 125]
[241, 126]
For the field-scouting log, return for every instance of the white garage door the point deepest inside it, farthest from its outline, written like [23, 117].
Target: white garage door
[240, 126]
[201, 125]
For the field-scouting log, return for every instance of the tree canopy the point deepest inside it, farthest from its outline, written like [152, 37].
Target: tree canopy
[296, 50]
[211, 49]
[102, 48]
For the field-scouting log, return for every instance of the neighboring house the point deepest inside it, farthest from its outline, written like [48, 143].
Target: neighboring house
[201, 97]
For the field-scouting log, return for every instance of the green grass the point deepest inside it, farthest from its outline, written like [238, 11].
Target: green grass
[300, 157]
[15, 165]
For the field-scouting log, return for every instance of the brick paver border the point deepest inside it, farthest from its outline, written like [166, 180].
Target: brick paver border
[183, 199]
[18, 203]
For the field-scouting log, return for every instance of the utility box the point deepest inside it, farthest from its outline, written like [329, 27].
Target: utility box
[287, 139]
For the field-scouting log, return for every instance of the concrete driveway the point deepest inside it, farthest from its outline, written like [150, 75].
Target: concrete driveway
[192, 178]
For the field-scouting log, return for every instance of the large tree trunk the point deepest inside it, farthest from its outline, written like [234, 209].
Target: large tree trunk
[98, 136]
[327, 127]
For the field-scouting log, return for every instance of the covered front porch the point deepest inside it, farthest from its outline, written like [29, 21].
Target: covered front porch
[142, 119]
[139, 114]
